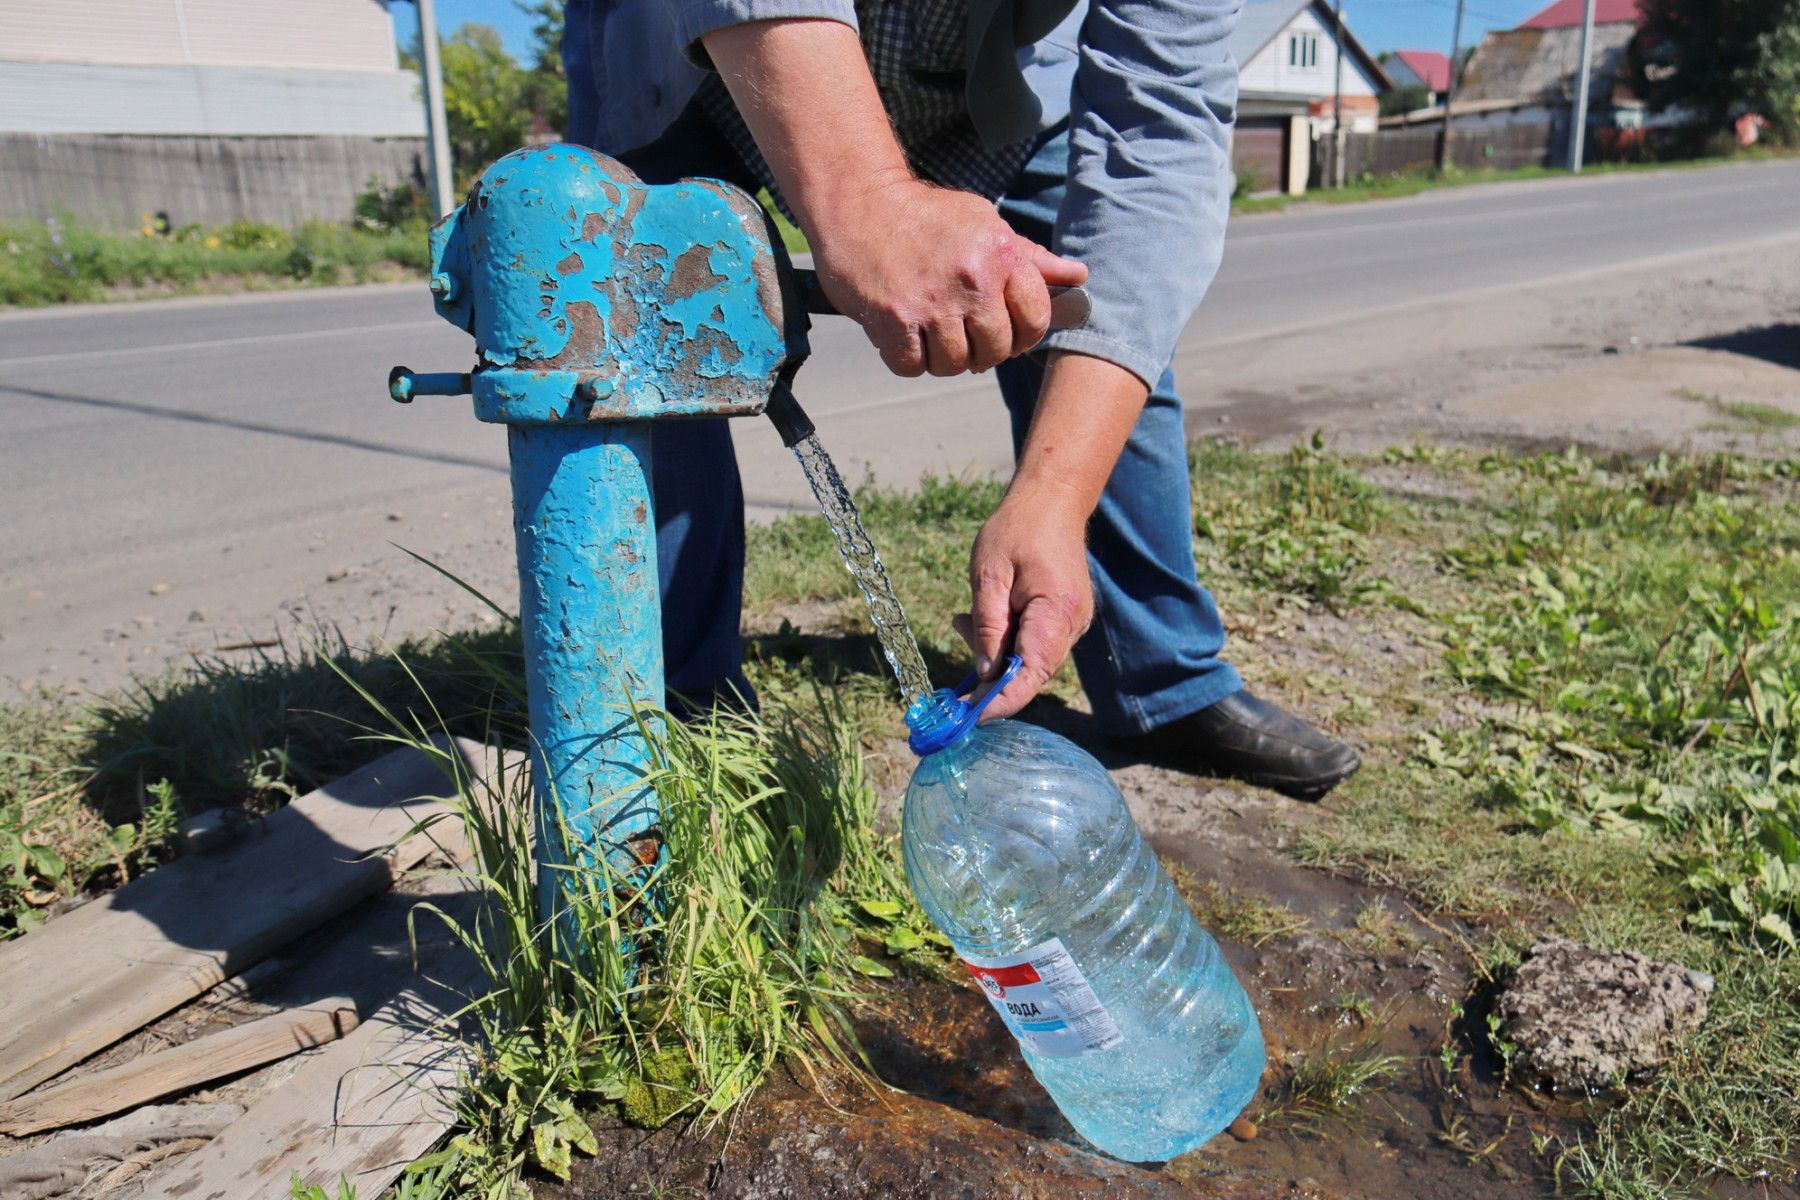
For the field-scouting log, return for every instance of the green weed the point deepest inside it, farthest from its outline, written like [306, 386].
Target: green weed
[90, 792]
[1644, 627]
[775, 897]
[54, 844]
[1614, 756]
[1765, 418]
[1328, 1083]
[1296, 531]
[1399, 184]
[1241, 915]
[57, 261]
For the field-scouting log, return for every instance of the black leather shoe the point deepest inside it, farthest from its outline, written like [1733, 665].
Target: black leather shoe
[1242, 737]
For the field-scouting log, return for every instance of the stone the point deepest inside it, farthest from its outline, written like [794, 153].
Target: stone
[1584, 1018]
[212, 829]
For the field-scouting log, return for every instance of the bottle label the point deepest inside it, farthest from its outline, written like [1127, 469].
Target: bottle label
[1045, 1000]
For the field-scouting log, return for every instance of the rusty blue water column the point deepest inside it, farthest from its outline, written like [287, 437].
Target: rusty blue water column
[591, 619]
[600, 305]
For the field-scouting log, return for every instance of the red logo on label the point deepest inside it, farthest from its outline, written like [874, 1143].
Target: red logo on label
[995, 980]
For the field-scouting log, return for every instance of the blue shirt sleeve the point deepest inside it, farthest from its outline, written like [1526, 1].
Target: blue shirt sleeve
[694, 19]
[1149, 189]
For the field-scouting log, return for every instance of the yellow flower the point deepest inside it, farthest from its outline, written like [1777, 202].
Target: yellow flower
[213, 243]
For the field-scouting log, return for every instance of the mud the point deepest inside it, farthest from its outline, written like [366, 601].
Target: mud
[968, 1120]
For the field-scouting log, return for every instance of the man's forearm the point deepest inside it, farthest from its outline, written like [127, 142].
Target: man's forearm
[805, 92]
[1084, 416]
[935, 277]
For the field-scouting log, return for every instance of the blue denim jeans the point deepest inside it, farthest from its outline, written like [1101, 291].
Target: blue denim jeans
[1152, 654]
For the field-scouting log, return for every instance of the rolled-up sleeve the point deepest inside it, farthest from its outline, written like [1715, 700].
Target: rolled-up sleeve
[1149, 173]
[694, 19]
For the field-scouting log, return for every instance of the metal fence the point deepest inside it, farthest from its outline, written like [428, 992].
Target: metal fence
[112, 180]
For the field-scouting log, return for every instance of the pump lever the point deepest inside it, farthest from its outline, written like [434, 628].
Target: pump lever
[1070, 307]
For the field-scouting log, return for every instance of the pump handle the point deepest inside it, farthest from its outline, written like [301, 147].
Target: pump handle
[1070, 307]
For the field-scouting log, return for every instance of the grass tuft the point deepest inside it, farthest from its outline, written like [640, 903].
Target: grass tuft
[1329, 1083]
[1243, 916]
[1764, 418]
[674, 996]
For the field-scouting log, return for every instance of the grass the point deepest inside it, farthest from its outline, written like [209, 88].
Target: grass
[1746, 414]
[776, 895]
[1240, 915]
[1613, 756]
[57, 261]
[1599, 737]
[1293, 531]
[1400, 184]
[90, 793]
[1328, 1084]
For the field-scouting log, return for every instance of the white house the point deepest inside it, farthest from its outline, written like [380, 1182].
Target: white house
[206, 109]
[1288, 87]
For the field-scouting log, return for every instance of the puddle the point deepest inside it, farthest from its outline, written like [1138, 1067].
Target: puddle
[971, 1120]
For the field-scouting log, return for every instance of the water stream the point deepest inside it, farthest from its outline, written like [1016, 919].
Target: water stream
[896, 636]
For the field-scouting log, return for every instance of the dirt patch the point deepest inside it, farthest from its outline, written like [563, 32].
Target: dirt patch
[1357, 973]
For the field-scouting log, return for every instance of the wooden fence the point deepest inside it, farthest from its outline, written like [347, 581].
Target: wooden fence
[1397, 150]
[112, 180]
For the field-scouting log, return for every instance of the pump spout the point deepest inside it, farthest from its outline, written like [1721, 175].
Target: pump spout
[790, 420]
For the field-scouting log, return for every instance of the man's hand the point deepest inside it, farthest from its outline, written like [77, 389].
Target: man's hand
[936, 278]
[1030, 591]
[1030, 594]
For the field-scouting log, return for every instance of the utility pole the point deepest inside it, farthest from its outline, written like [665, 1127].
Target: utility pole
[1444, 159]
[431, 67]
[1578, 127]
[1339, 142]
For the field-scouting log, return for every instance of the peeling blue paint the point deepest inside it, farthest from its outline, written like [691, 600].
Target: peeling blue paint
[593, 634]
[569, 271]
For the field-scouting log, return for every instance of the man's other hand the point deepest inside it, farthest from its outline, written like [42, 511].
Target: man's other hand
[936, 278]
[1030, 595]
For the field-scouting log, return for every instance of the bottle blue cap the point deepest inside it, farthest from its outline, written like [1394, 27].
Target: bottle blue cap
[938, 720]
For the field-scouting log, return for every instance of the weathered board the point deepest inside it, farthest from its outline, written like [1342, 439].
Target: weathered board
[361, 1111]
[162, 1072]
[96, 974]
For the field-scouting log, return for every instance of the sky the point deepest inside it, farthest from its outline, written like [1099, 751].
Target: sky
[1380, 24]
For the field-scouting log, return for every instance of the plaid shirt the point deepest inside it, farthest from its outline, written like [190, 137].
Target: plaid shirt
[916, 52]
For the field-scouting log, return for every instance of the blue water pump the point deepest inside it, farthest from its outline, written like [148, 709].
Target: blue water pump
[599, 305]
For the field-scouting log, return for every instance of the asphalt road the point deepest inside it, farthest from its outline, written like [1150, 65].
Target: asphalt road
[148, 444]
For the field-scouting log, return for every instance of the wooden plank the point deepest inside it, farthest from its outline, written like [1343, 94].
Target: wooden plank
[179, 1068]
[90, 977]
[361, 1111]
[59, 1166]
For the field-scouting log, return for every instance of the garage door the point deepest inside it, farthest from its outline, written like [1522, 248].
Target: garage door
[1259, 150]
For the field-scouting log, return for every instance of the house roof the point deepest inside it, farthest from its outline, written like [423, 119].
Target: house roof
[1562, 14]
[1536, 64]
[1432, 68]
[1262, 21]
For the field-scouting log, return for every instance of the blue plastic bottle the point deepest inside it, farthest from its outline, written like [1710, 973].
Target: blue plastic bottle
[1021, 850]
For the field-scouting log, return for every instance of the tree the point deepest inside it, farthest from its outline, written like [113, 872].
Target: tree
[1404, 99]
[1721, 58]
[549, 90]
[487, 98]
